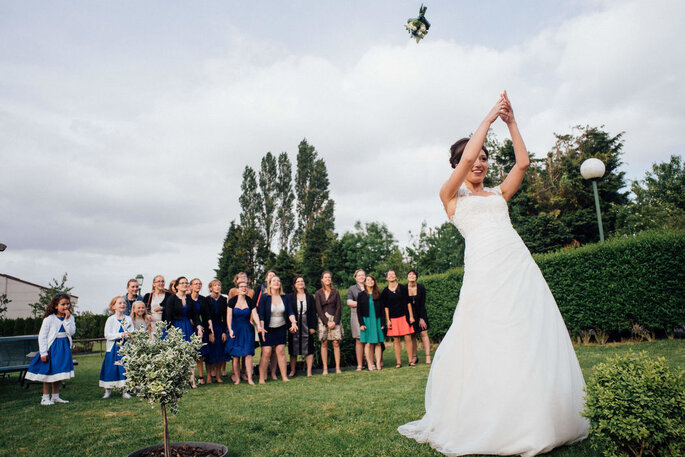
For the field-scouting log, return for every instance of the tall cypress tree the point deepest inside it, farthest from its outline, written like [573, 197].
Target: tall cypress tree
[268, 183]
[233, 258]
[251, 240]
[284, 200]
[315, 211]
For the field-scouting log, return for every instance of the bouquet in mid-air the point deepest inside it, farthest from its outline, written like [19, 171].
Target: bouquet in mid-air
[418, 26]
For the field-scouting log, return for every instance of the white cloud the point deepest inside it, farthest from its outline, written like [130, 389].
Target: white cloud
[110, 170]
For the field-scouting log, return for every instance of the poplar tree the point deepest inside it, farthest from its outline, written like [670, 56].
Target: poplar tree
[284, 201]
[268, 184]
[251, 206]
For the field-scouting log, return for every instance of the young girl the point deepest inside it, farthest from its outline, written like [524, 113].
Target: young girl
[140, 317]
[53, 363]
[117, 327]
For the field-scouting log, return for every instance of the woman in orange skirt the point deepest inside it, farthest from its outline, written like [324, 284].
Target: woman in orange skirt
[398, 315]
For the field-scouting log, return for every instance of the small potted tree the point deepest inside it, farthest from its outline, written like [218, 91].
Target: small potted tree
[158, 370]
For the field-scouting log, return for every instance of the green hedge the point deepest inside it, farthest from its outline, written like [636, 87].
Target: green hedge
[88, 325]
[604, 287]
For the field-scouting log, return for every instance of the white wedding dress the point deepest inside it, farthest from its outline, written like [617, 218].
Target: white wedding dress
[505, 379]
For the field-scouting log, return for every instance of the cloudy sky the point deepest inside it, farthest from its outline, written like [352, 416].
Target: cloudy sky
[125, 126]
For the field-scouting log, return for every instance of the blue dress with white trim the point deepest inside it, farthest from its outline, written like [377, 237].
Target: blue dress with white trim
[59, 366]
[112, 375]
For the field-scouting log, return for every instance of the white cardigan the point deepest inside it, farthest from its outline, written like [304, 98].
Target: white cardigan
[49, 330]
[112, 329]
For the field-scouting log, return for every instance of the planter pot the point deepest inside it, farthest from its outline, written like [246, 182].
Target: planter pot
[197, 444]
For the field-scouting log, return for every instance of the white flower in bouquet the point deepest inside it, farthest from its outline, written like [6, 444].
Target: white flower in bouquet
[418, 27]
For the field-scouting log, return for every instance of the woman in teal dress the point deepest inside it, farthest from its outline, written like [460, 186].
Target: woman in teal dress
[369, 312]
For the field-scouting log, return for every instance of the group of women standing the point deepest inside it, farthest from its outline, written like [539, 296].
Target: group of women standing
[232, 325]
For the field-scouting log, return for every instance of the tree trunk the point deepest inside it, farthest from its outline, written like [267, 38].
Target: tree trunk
[167, 448]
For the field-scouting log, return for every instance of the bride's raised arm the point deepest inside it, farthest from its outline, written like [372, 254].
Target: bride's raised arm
[449, 190]
[515, 177]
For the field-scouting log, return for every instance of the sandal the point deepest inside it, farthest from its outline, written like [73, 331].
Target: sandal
[202, 382]
[359, 368]
[399, 365]
[372, 367]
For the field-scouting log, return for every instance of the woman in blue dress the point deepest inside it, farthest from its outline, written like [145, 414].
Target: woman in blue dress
[201, 306]
[117, 327]
[241, 342]
[216, 347]
[53, 363]
[181, 315]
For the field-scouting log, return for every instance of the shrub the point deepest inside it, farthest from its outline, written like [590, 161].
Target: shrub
[636, 406]
[158, 368]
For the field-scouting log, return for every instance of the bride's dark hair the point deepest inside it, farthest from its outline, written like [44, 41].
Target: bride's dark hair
[457, 149]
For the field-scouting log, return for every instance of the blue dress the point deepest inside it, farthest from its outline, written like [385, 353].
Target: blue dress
[184, 324]
[204, 350]
[112, 375]
[60, 365]
[243, 343]
[216, 350]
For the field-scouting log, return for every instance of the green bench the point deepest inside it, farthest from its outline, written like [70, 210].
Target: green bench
[16, 353]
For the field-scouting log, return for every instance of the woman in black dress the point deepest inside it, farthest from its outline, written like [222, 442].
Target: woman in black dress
[302, 341]
[417, 298]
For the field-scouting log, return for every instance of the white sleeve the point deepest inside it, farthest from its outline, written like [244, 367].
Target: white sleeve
[70, 325]
[43, 336]
[112, 329]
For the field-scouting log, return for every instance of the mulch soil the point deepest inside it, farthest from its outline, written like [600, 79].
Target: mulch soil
[183, 451]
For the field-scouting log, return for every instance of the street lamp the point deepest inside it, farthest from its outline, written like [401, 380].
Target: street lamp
[593, 170]
[139, 278]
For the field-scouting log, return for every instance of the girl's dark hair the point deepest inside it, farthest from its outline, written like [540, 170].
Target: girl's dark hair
[52, 306]
[457, 149]
[375, 293]
[415, 273]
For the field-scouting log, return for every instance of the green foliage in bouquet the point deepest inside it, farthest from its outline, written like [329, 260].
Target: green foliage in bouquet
[158, 368]
[418, 27]
[636, 407]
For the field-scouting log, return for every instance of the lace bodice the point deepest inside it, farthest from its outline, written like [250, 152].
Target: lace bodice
[476, 214]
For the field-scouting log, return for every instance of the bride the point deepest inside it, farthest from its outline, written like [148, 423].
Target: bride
[505, 379]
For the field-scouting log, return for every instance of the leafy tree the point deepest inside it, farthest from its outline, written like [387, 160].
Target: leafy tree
[284, 200]
[233, 258]
[436, 250]
[659, 199]
[369, 247]
[563, 191]
[4, 301]
[268, 185]
[285, 265]
[46, 295]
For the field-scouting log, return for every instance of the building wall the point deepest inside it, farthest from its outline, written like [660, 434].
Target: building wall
[22, 294]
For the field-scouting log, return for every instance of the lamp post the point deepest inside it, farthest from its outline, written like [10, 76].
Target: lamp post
[139, 278]
[593, 170]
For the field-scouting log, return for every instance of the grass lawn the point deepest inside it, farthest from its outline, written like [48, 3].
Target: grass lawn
[350, 414]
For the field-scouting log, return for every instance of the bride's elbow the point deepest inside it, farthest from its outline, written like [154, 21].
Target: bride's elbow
[522, 164]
